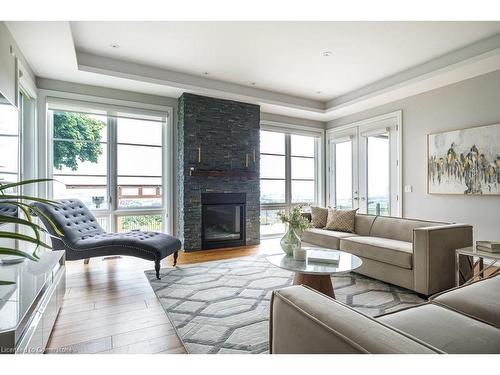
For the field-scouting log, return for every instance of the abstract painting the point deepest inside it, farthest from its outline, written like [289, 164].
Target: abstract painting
[465, 161]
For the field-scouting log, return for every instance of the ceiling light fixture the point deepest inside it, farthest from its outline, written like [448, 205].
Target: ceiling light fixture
[253, 83]
[206, 73]
[319, 92]
[327, 53]
[114, 45]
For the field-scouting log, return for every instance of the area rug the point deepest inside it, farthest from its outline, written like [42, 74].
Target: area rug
[223, 306]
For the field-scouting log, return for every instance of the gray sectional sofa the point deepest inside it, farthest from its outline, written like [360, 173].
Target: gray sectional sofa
[464, 320]
[414, 254]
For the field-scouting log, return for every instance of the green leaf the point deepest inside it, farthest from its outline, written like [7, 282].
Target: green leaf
[25, 182]
[49, 220]
[23, 237]
[37, 211]
[36, 228]
[17, 220]
[6, 282]
[9, 251]
[28, 198]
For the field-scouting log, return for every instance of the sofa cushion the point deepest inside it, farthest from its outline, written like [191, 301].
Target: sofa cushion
[304, 321]
[397, 253]
[319, 216]
[398, 228]
[325, 238]
[363, 224]
[446, 329]
[341, 220]
[480, 300]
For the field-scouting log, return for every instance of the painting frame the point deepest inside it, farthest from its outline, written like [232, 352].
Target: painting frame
[492, 159]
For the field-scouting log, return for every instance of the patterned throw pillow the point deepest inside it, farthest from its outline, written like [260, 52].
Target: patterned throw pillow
[341, 220]
[319, 216]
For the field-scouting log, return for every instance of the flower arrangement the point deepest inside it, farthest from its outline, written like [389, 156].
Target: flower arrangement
[295, 219]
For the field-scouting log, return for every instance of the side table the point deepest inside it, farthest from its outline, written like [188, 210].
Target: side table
[478, 260]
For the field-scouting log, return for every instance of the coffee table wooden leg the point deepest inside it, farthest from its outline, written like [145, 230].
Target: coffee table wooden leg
[321, 283]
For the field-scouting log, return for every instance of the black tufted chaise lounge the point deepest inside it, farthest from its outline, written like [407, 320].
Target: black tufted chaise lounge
[84, 238]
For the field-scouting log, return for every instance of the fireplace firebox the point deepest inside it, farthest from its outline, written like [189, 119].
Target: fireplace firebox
[223, 218]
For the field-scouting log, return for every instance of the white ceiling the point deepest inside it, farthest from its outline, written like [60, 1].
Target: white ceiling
[280, 57]
[285, 57]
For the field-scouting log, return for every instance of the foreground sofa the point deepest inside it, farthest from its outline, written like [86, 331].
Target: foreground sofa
[462, 320]
[414, 254]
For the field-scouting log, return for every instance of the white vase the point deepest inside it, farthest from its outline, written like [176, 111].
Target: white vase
[300, 254]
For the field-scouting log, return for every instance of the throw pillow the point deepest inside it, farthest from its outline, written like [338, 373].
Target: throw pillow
[341, 220]
[319, 216]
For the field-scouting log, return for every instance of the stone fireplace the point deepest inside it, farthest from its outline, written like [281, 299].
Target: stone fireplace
[218, 173]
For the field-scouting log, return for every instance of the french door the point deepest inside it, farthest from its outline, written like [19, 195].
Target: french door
[364, 166]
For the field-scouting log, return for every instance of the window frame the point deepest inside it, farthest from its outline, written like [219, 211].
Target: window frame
[289, 130]
[113, 212]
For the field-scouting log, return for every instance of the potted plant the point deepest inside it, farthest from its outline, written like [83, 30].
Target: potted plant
[19, 203]
[296, 223]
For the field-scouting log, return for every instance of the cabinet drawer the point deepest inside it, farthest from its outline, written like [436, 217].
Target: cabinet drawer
[49, 316]
[32, 341]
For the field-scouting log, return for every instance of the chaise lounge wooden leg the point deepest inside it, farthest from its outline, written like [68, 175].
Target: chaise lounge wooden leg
[157, 269]
[176, 254]
[86, 261]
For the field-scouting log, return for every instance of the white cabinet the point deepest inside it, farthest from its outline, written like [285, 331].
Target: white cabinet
[28, 313]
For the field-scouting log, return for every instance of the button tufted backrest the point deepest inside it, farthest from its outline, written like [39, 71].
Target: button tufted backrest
[72, 218]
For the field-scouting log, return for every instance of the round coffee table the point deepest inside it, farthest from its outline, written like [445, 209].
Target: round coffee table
[314, 274]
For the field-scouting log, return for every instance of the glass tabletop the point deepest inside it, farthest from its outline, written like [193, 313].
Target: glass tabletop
[472, 251]
[347, 262]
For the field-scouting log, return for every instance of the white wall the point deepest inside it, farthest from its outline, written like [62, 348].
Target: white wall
[468, 103]
[9, 67]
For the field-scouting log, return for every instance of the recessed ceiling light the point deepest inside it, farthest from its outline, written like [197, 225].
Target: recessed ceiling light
[114, 45]
[253, 83]
[319, 92]
[327, 53]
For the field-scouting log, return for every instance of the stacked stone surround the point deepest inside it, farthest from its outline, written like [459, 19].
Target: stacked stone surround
[227, 131]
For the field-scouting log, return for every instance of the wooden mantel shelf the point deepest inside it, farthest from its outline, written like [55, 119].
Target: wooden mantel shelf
[218, 173]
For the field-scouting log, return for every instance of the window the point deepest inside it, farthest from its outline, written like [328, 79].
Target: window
[9, 143]
[378, 176]
[139, 163]
[272, 168]
[303, 168]
[80, 158]
[114, 162]
[343, 175]
[288, 175]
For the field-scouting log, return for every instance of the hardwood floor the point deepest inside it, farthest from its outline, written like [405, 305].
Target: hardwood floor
[109, 306]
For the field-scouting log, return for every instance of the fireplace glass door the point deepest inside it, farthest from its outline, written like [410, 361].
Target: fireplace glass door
[222, 224]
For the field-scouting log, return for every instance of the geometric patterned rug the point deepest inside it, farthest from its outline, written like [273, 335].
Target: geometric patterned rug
[223, 306]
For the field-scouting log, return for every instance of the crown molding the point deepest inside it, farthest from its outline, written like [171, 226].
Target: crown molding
[124, 69]
[473, 60]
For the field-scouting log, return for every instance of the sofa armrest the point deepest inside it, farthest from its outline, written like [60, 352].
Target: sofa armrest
[434, 256]
[304, 321]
